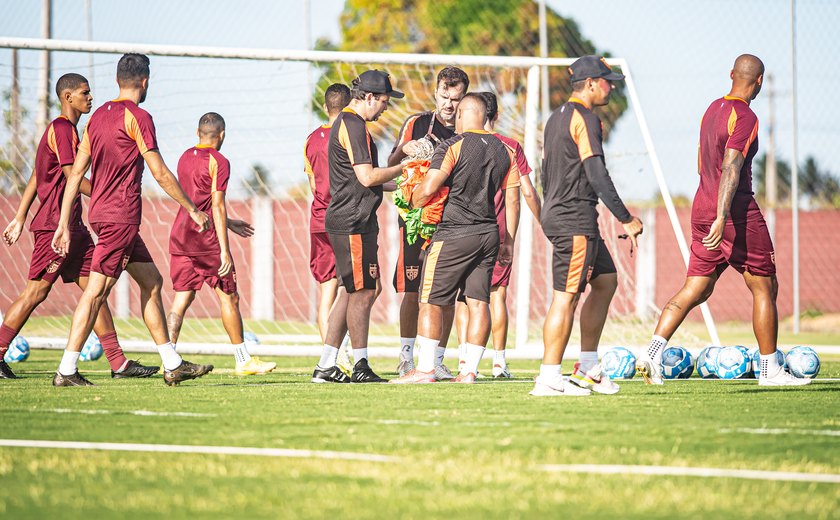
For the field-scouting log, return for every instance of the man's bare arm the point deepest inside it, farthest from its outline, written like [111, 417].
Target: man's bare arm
[730, 176]
[15, 227]
[529, 193]
[61, 238]
[423, 193]
[166, 179]
[220, 224]
[369, 176]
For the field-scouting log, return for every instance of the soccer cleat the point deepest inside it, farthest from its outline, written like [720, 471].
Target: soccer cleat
[500, 371]
[650, 371]
[362, 373]
[332, 374]
[782, 378]
[593, 379]
[6, 371]
[442, 373]
[135, 369]
[184, 372]
[342, 361]
[254, 366]
[74, 380]
[466, 379]
[415, 377]
[405, 366]
[557, 386]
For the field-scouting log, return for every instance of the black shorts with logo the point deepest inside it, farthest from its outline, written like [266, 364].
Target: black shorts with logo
[356, 260]
[459, 263]
[577, 259]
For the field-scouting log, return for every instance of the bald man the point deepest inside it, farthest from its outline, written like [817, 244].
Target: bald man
[727, 227]
[473, 165]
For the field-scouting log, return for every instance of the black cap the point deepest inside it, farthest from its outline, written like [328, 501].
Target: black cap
[377, 82]
[593, 67]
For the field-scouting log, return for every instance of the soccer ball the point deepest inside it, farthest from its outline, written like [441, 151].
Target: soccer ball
[803, 362]
[756, 360]
[707, 362]
[18, 350]
[732, 363]
[92, 349]
[744, 350]
[251, 339]
[619, 363]
[676, 363]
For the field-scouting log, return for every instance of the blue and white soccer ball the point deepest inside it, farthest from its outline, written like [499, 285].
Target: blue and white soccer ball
[747, 354]
[251, 339]
[803, 362]
[18, 350]
[92, 349]
[676, 363]
[755, 355]
[619, 363]
[706, 363]
[732, 363]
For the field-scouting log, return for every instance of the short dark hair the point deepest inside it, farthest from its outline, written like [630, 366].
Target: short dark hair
[132, 69]
[478, 99]
[69, 81]
[211, 123]
[492, 104]
[453, 76]
[336, 97]
[577, 86]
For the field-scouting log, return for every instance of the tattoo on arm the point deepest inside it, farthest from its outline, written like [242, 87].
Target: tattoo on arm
[730, 176]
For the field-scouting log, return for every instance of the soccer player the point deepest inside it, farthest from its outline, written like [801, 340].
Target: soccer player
[53, 161]
[507, 218]
[118, 138]
[727, 227]
[575, 177]
[463, 251]
[437, 125]
[198, 258]
[356, 190]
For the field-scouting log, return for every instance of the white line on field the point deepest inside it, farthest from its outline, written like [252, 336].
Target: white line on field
[213, 450]
[608, 469]
[147, 413]
[782, 431]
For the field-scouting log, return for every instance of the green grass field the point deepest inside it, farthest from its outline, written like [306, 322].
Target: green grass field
[472, 452]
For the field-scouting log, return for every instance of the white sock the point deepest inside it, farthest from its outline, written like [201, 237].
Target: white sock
[240, 352]
[407, 350]
[345, 342]
[171, 360]
[328, 356]
[549, 371]
[69, 363]
[769, 365]
[440, 352]
[499, 358]
[359, 354]
[462, 354]
[473, 358]
[588, 360]
[654, 350]
[426, 356]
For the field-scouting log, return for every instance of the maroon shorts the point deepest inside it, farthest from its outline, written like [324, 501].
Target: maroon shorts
[321, 257]
[746, 246]
[188, 273]
[117, 246]
[47, 265]
[501, 275]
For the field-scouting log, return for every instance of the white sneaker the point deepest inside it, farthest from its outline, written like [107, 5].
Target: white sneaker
[501, 371]
[649, 370]
[557, 386]
[405, 366]
[594, 379]
[782, 378]
[342, 361]
[442, 373]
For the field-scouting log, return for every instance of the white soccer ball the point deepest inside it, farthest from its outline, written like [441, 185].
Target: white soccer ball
[755, 355]
[619, 363]
[803, 362]
[18, 350]
[706, 363]
[251, 339]
[92, 349]
[676, 363]
[744, 350]
[732, 363]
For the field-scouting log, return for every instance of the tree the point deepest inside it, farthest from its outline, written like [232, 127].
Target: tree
[817, 187]
[259, 182]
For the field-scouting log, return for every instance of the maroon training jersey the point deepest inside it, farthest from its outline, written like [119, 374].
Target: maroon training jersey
[728, 123]
[524, 169]
[316, 165]
[201, 171]
[116, 137]
[56, 149]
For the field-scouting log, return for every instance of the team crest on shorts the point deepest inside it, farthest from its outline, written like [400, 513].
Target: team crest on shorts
[411, 271]
[233, 275]
[773, 257]
[125, 260]
[53, 267]
[373, 269]
[589, 272]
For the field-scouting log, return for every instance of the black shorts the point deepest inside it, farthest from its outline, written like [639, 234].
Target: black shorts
[409, 263]
[577, 259]
[460, 263]
[356, 260]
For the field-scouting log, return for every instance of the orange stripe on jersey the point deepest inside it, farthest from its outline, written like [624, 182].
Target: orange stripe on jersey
[401, 263]
[451, 157]
[344, 140]
[750, 141]
[132, 128]
[576, 263]
[730, 125]
[356, 260]
[53, 145]
[408, 131]
[580, 135]
[307, 164]
[430, 265]
[84, 146]
[213, 169]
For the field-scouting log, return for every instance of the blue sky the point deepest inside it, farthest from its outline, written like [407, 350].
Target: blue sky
[680, 53]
